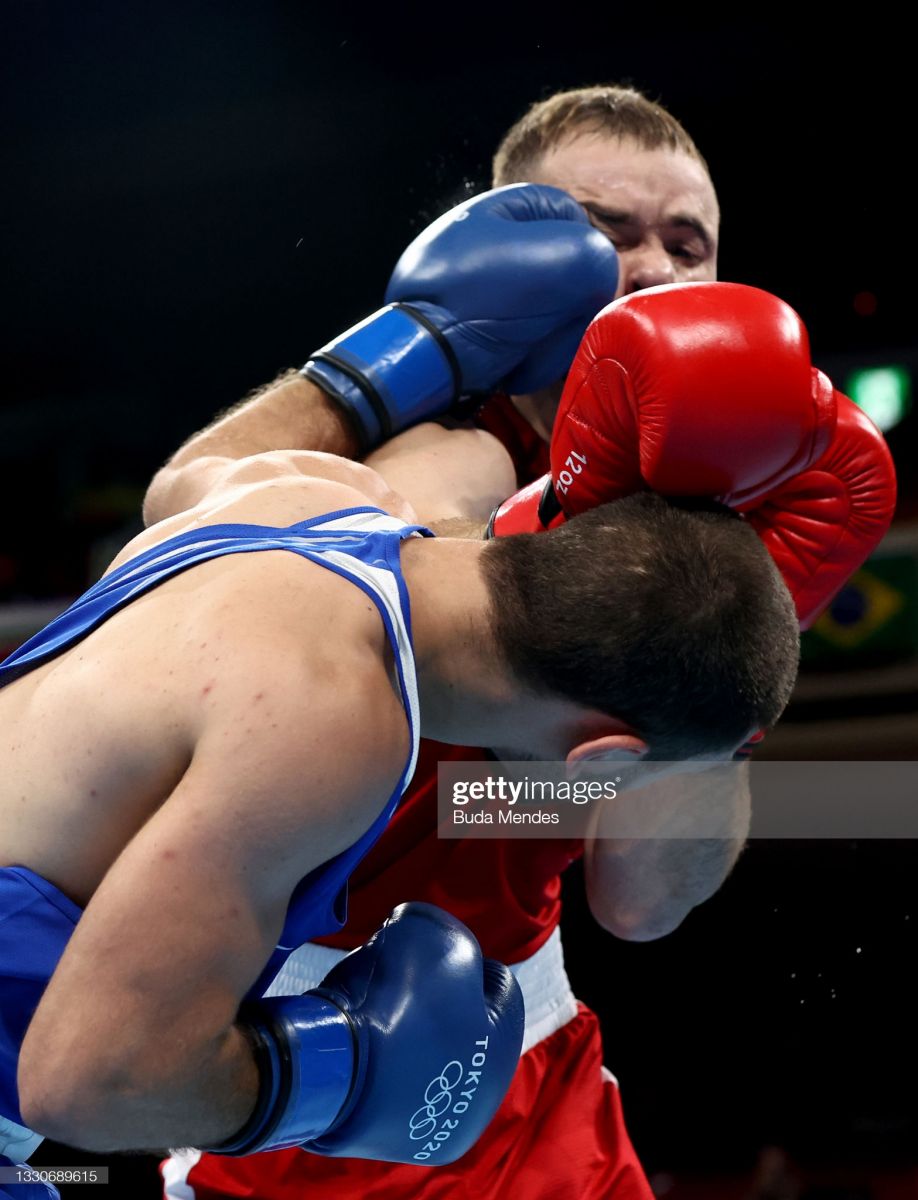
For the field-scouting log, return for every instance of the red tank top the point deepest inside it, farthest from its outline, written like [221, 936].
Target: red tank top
[507, 891]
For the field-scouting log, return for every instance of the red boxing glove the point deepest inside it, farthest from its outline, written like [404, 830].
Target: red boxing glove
[707, 389]
[822, 524]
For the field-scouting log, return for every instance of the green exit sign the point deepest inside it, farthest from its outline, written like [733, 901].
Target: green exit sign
[884, 393]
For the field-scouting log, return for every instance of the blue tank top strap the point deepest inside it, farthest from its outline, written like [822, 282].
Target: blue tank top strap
[186, 550]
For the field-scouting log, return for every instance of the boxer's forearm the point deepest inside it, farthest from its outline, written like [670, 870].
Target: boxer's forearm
[448, 473]
[640, 888]
[291, 413]
[205, 1104]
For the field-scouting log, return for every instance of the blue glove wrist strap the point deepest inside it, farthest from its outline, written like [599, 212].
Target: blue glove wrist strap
[305, 1048]
[389, 371]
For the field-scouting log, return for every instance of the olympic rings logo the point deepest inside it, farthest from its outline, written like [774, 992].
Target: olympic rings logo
[438, 1096]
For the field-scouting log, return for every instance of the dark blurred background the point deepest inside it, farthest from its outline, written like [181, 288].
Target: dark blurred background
[197, 195]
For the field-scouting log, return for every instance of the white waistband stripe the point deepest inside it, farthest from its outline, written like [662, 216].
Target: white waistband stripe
[547, 994]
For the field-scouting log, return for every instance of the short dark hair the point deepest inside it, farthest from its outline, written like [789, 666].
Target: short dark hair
[669, 615]
[614, 110]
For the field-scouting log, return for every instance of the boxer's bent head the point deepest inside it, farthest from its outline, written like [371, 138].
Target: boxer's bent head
[670, 618]
[608, 110]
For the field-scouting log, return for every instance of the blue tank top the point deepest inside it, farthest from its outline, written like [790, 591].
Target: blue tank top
[36, 920]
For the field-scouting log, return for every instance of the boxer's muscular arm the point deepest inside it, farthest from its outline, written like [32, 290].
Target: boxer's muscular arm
[134, 1045]
[289, 414]
[470, 279]
[643, 888]
[447, 472]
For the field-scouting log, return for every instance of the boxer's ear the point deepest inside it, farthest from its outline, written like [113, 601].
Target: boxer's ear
[610, 747]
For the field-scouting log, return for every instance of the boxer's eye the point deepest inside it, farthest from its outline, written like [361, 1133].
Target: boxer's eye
[619, 228]
[689, 241]
[691, 255]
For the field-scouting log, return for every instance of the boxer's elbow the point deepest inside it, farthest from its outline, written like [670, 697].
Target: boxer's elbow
[156, 500]
[167, 495]
[62, 1102]
[177, 488]
[93, 1098]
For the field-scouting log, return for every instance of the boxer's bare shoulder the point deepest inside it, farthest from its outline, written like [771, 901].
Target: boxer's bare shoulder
[253, 663]
[192, 780]
[277, 487]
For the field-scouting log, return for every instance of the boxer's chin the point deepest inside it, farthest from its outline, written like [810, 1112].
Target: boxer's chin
[539, 408]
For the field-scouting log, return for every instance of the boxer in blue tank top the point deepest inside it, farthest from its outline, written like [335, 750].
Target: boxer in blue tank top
[86, 914]
[36, 919]
[186, 770]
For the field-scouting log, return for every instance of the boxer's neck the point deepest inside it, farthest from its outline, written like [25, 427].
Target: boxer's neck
[539, 408]
[468, 694]
[462, 680]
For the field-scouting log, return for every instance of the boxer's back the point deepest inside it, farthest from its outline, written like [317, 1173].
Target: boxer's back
[95, 739]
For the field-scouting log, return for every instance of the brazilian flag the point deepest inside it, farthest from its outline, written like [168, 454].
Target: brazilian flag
[875, 615]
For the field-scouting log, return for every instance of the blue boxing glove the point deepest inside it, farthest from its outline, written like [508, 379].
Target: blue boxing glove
[495, 293]
[403, 1053]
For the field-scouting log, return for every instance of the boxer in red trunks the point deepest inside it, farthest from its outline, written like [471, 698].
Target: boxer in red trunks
[560, 1131]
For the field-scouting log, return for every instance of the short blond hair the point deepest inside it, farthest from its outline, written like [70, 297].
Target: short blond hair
[611, 109]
